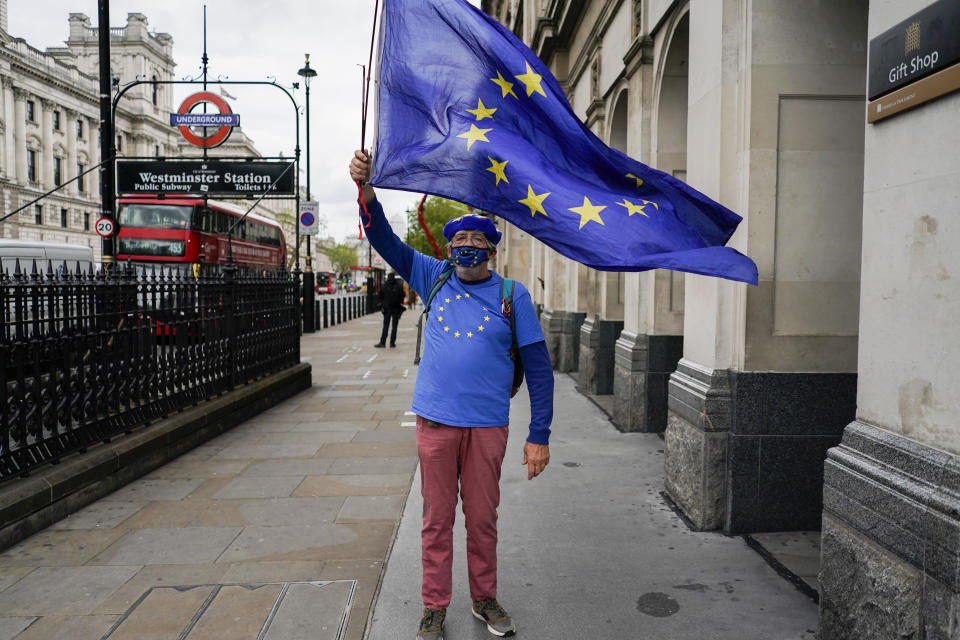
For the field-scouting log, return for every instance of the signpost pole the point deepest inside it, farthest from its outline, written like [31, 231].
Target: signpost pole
[308, 279]
[108, 143]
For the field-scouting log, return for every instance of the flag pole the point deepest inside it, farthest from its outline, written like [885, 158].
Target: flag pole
[367, 74]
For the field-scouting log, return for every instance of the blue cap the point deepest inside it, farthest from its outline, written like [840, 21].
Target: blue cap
[472, 222]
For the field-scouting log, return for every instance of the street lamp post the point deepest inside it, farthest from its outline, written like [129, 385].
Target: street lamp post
[307, 72]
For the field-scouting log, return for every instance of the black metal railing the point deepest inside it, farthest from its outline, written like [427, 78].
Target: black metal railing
[87, 356]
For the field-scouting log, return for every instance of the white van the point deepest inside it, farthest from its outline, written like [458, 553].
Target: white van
[27, 251]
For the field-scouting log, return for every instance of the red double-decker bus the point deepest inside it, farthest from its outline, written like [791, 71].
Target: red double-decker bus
[326, 282]
[169, 231]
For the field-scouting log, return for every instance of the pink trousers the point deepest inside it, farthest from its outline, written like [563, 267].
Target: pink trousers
[466, 461]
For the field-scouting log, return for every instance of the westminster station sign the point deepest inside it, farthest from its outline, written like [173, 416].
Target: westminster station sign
[236, 178]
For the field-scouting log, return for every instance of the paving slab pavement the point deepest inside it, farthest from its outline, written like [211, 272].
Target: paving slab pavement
[280, 526]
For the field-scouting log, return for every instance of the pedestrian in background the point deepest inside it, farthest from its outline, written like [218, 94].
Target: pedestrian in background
[462, 401]
[391, 305]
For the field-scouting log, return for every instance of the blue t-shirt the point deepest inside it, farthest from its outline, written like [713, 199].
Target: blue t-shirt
[466, 372]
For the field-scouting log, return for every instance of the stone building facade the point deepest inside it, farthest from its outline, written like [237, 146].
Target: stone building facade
[50, 122]
[825, 396]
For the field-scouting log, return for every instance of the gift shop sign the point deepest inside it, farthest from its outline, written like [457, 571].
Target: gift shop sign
[926, 42]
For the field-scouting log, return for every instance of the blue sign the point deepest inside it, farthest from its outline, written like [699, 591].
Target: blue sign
[205, 119]
[307, 219]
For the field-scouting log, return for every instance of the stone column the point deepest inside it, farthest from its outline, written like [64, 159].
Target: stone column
[9, 115]
[70, 131]
[767, 378]
[46, 137]
[597, 338]
[891, 499]
[20, 134]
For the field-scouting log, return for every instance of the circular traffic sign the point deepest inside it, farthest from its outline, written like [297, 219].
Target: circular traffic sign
[307, 219]
[105, 227]
[220, 135]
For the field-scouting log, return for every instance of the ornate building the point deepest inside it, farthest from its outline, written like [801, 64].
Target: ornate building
[49, 124]
[826, 396]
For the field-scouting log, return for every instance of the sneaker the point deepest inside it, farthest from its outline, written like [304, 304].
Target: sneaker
[379, 345]
[499, 622]
[431, 624]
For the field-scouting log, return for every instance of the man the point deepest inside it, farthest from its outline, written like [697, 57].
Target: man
[391, 305]
[462, 402]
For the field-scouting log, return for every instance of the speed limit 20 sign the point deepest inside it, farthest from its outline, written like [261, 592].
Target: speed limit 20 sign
[105, 227]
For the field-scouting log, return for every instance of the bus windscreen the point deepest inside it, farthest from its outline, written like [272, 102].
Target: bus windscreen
[155, 216]
[151, 247]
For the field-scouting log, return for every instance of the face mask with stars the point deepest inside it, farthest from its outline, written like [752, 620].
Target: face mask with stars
[468, 256]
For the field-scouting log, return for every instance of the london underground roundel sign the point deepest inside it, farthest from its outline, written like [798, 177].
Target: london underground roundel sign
[220, 123]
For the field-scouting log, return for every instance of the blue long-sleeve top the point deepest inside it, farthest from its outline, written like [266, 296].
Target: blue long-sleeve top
[420, 271]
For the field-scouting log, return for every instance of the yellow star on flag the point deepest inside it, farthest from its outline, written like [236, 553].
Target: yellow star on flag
[481, 111]
[639, 180]
[446, 299]
[535, 202]
[505, 87]
[532, 82]
[475, 134]
[588, 212]
[646, 202]
[469, 334]
[633, 208]
[458, 296]
[486, 318]
[456, 334]
[467, 295]
[439, 318]
[446, 328]
[441, 308]
[480, 328]
[497, 169]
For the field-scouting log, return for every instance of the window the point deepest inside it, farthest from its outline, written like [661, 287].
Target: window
[58, 171]
[80, 128]
[56, 121]
[86, 221]
[156, 150]
[31, 111]
[119, 143]
[31, 165]
[80, 169]
[37, 214]
[156, 91]
[63, 218]
[155, 216]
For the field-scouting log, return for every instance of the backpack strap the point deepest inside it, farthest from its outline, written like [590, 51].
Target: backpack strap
[506, 307]
[434, 289]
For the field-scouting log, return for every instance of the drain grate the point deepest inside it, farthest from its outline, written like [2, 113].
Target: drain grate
[258, 611]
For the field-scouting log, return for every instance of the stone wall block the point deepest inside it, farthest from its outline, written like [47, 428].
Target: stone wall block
[865, 591]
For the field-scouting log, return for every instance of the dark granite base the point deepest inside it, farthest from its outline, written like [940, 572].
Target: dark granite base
[776, 429]
[642, 368]
[597, 340]
[891, 540]
[781, 428]
[561, 329]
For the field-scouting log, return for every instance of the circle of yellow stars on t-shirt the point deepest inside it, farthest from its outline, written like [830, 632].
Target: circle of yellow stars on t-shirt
[587, 211]
[446, 327]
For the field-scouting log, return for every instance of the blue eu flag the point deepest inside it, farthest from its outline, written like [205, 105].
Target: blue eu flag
[466, 111]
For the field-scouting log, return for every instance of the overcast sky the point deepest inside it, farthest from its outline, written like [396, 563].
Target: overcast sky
[251, 40]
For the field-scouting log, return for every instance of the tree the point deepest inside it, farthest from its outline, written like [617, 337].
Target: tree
[341, 256]
[437, 212]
